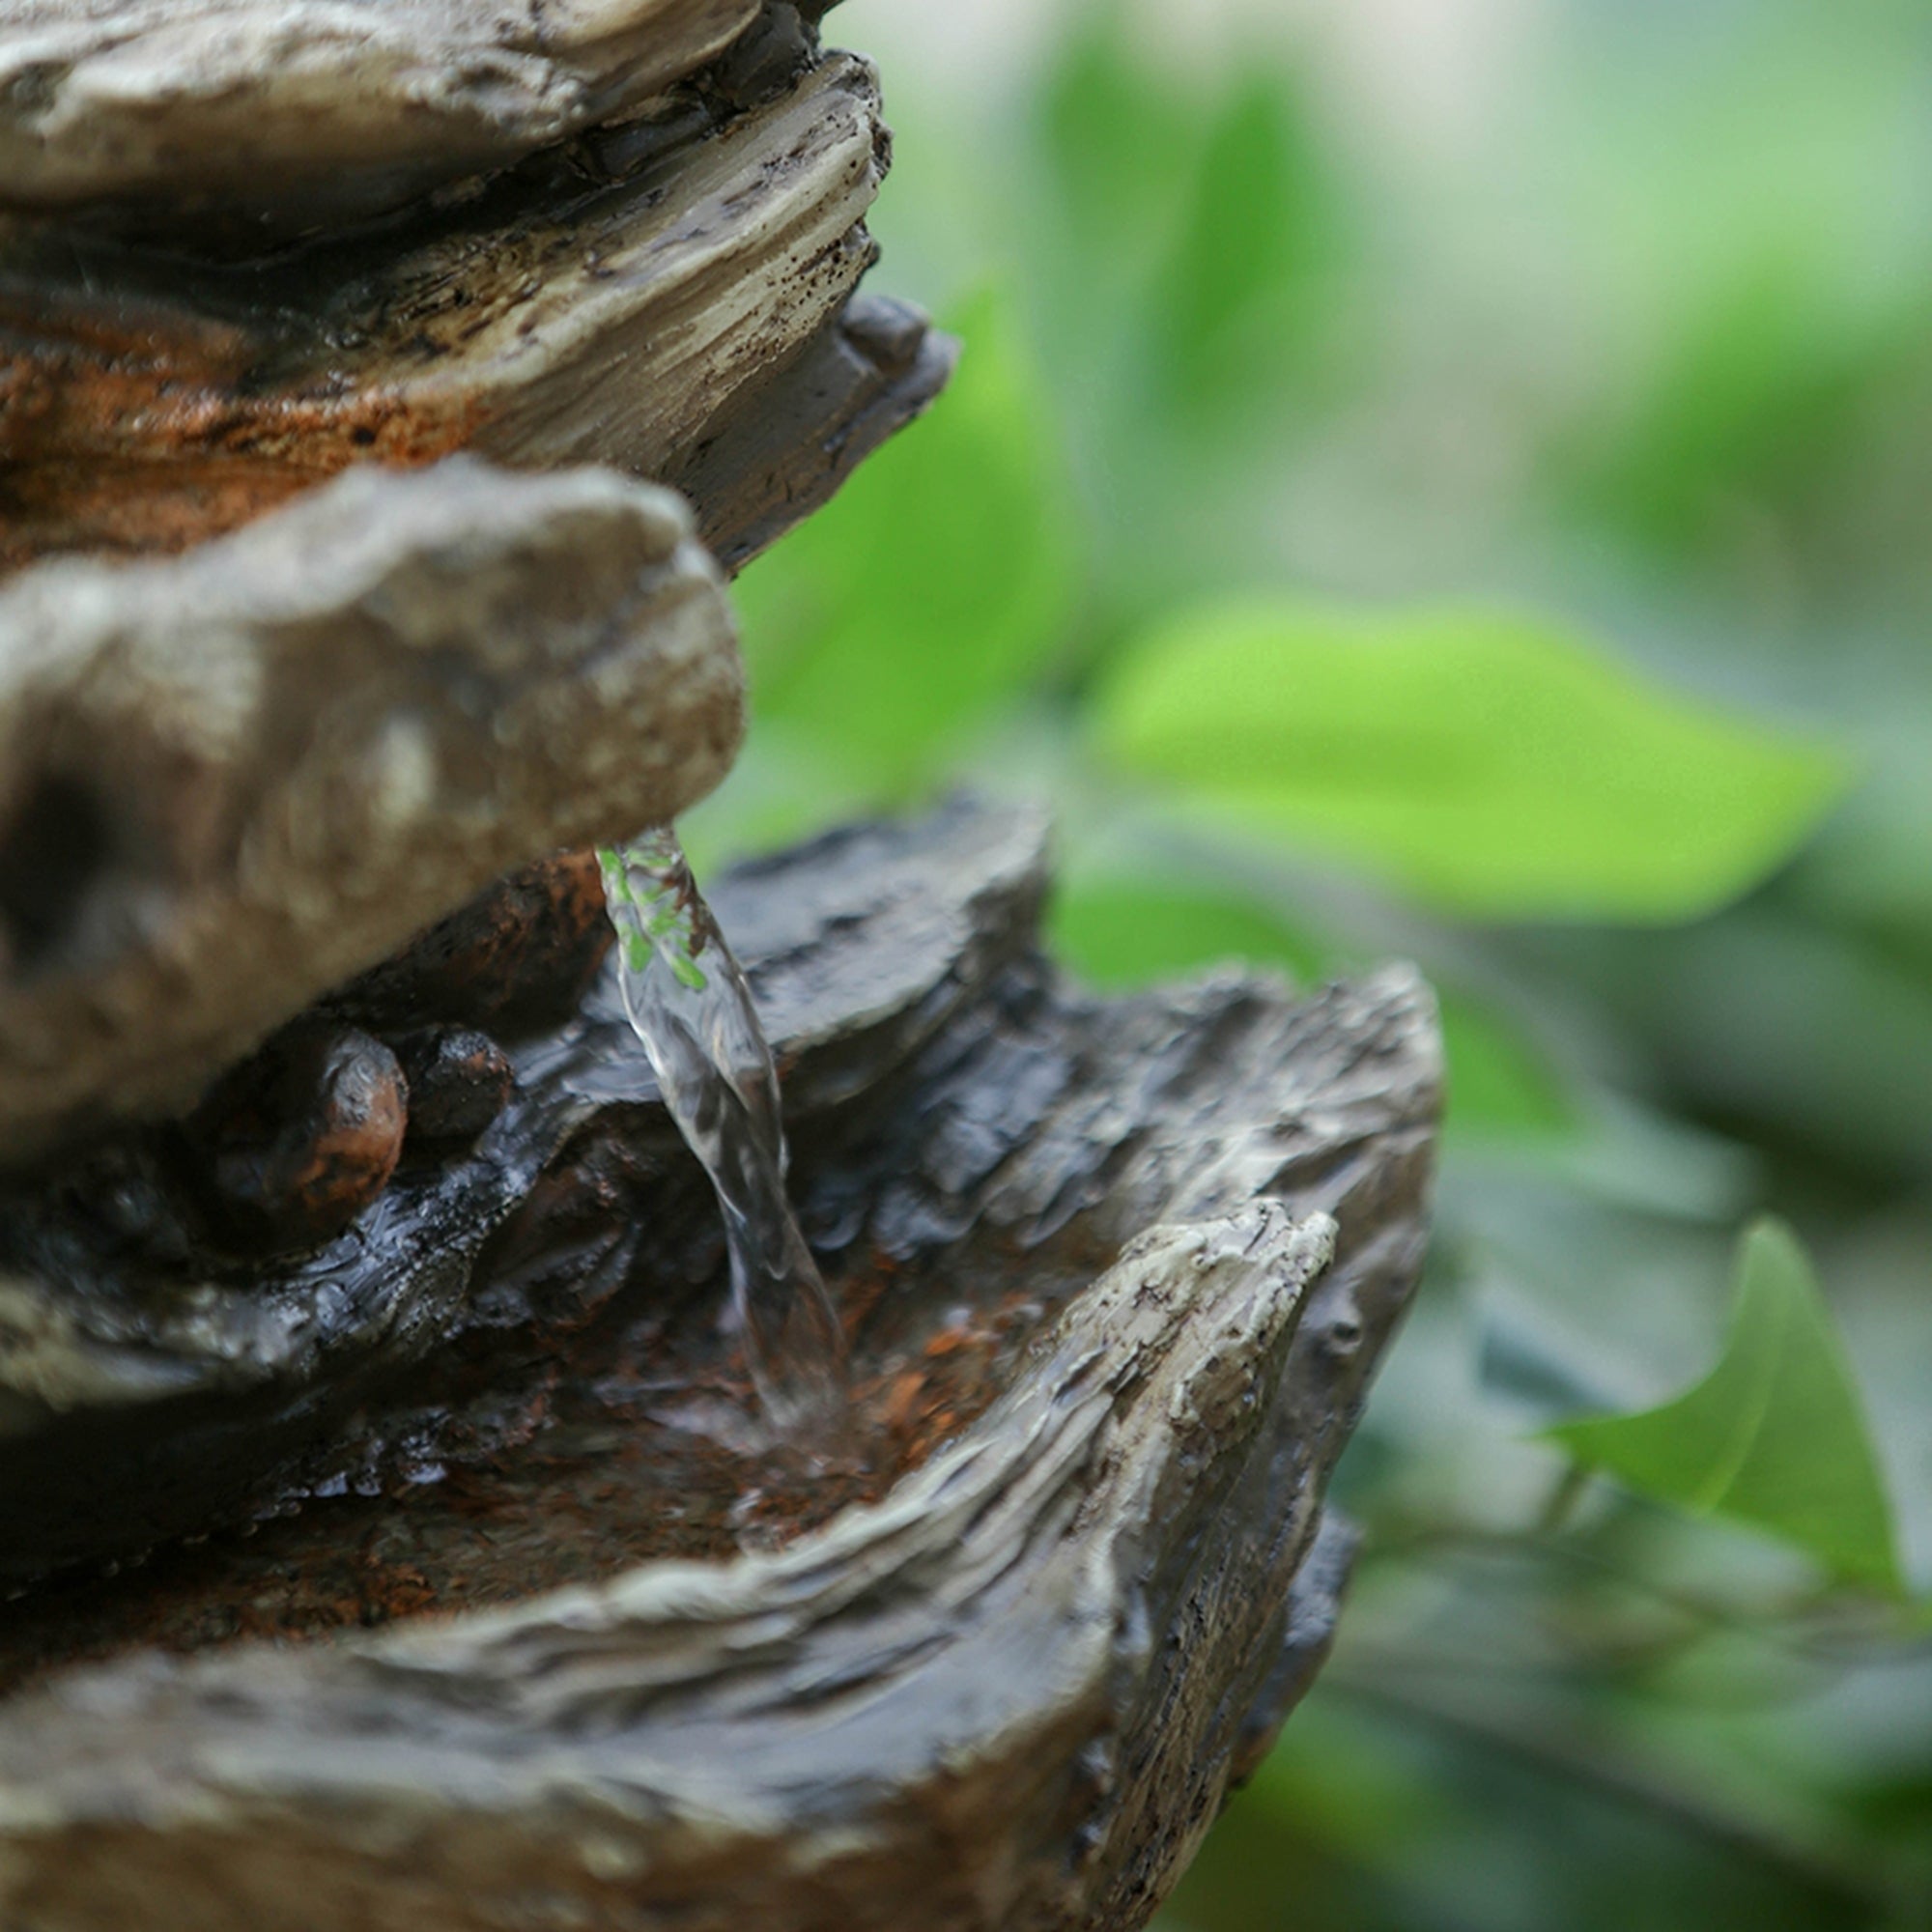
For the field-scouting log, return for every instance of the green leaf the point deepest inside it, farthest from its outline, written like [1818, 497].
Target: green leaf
[1753, 417]
[1110, 128]
[1251, 266]
[1120, 933]
[1500, 1085]
[1491, 765]
[934, 588]
[1775, 1437]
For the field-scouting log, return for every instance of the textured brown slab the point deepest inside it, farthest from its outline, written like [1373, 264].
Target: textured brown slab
[229, 780]
[616, 304]
[1117, 1273]
[289, 112]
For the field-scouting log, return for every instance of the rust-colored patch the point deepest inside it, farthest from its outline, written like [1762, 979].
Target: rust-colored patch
[296, 1142]
[139, 426]
[520, 954]
[642, 1442]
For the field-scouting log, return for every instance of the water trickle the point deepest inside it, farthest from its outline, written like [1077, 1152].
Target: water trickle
[689, 1003]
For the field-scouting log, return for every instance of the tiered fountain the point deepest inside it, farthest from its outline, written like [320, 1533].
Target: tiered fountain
[404, 1524]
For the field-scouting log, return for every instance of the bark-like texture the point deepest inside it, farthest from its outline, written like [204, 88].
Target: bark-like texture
[393, 1537]
[293, 111]
[151, 1385]
[782, 446]
[1004, 1688]
[229, 780]
[667, 299]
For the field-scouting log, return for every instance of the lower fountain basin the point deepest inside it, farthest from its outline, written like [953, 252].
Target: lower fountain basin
[535, 1625]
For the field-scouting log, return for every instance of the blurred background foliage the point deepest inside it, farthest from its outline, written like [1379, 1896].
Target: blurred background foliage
[1454, 478]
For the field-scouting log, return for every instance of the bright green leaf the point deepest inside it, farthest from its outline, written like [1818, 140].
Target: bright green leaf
[1126, 933]
[934, 587]
[1490, 764]
[1775, 1437]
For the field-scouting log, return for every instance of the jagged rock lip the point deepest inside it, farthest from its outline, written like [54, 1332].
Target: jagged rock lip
[985, 1631]
[562, 316]
[268, 119]
[1013, 1691]
[272, 760]
[156, 1371]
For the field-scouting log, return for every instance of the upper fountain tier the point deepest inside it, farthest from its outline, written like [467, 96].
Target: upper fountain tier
[293, 113]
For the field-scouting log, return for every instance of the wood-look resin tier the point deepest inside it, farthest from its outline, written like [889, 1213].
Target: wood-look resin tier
[673, 297]
[390, 1539]
[229, 780]
[284, 113]
[542, 1628]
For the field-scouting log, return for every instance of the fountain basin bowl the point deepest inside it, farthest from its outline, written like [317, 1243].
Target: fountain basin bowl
[547, 1632]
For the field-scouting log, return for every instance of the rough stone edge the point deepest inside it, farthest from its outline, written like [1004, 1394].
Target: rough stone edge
[283, 114]
[1061, 1535]
[1214, 1632]
[205, 711]
[699, 301]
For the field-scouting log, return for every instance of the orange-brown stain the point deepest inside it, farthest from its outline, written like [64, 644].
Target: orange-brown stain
[141, 427]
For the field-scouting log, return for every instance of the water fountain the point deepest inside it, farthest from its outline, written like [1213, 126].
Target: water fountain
[693, 1010]
[394, 1523]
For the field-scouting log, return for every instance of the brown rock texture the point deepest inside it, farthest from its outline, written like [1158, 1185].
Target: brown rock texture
[569, 1640]
[232, 780]
[676, 301]
[294, 110]
[390, 1536]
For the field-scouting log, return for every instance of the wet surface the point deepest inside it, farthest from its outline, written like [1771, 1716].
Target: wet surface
[644, 1441]
[1009, 1694]
[166, 1386]
[696, 1017]
[517, 1370]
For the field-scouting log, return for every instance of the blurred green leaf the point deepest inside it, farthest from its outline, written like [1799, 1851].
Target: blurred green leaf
[1333, 1778]
[1243, 286]
[1120, 934]
[1775, 1437]
[1110, 132]
[1752, 415]
[1500, 1086]
[1491, 765]
[934, 587]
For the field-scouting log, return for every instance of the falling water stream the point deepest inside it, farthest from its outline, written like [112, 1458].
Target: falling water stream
[687, 998]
